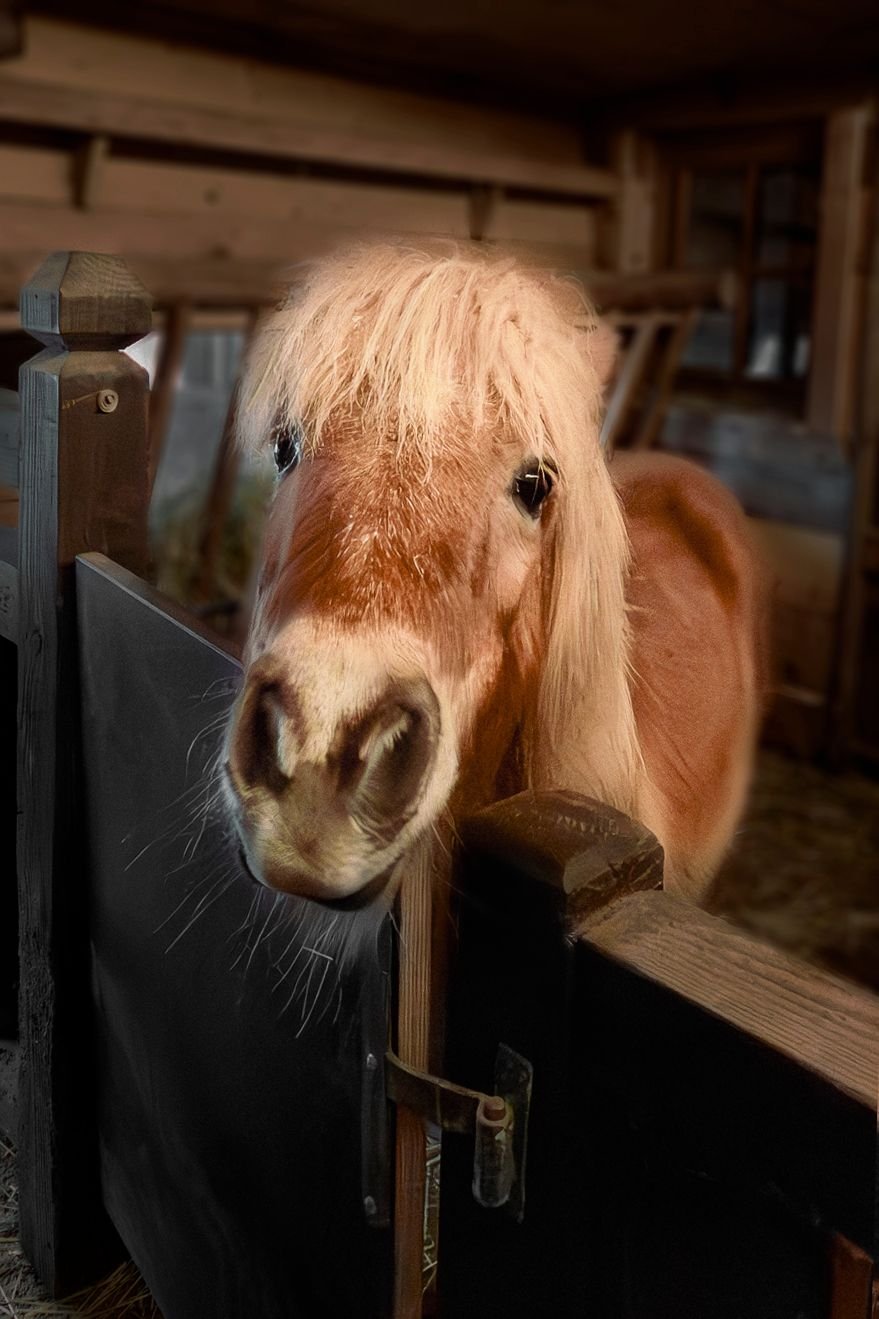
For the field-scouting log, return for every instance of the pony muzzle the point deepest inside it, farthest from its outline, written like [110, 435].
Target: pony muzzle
[329, 825]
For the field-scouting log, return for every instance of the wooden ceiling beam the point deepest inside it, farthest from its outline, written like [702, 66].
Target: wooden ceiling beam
[95, 82]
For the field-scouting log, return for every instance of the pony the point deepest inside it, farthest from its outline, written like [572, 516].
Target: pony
[459, 596]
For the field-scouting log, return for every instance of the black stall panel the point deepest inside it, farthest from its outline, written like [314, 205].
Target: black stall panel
[241, 1126]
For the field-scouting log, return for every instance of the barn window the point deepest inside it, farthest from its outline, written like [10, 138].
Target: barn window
[755, 214]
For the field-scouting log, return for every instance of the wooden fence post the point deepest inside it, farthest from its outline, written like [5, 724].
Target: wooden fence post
[84, 474]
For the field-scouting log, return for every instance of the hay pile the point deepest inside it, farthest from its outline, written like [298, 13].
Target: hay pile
[123, 1295]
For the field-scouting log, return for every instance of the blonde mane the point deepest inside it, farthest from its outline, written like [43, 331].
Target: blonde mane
[440, 346]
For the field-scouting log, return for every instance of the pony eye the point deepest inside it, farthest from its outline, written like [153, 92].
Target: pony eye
[531, 486]
[286, 446]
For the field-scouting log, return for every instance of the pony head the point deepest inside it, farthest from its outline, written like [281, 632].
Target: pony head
[440, 600]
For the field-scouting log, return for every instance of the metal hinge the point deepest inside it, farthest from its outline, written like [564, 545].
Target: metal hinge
[498, 1122]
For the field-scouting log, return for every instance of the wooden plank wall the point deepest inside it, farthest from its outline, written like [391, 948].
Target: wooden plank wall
[211, 172]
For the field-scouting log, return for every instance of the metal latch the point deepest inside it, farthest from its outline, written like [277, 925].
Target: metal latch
[498, 1122]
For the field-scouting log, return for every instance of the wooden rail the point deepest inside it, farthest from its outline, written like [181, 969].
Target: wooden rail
[683, 1066]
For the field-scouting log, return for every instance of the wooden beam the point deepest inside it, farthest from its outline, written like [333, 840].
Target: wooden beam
[214, 281]
[662, 383]
[628, 381]
[660, 289]
[635, 204]
[846, 730]
[851, 1281]
[95, 81]
[824, 1025]
[839, 286]
[83, 487]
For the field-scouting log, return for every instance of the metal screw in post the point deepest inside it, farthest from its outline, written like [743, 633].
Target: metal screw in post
[370, 1206]
[108, 400]
[371, 1062]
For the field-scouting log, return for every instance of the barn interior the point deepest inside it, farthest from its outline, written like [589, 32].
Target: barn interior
[709, 174]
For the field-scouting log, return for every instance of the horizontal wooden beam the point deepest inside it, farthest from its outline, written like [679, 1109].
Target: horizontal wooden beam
[822, 1024]
[98, 82]
[48, 105]
[214, 281]
[661, 290]
[227, 281]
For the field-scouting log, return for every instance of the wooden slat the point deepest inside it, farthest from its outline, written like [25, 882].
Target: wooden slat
[661, 290]
[839, 288]
[824, 1025]
[413, 1047]
[851, 1281]
[847, 731]
[216, 280]
[628, 381]
[83, 487]
[635, 207]
[102, 82]
[8, 601]
[9, 425]
[38, 174]
[650, 426]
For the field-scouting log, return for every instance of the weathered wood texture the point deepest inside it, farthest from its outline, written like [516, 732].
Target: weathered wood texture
[9, 426]
[8, 1088]
[826, 1027]
[102, 82]
[704, 1109]
[8, 602]
[83, 487]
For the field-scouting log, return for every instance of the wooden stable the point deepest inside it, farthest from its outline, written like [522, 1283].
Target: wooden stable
[213, 160]
[702, 1125]
[702, 1132]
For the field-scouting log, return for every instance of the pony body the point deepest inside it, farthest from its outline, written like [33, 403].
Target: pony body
[458, 597]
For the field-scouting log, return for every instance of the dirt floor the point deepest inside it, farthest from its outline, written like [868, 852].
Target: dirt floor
[804, 874]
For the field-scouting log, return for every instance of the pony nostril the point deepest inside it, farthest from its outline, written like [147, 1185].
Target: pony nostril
[254, 759]
[389, 755]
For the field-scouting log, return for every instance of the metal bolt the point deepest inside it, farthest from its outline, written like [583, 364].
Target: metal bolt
[370, 1206]
[108, 400]
[494, 1108]
[371, 1062]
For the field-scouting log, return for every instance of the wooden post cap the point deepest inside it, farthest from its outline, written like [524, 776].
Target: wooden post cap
[81, 300]
[591, 852]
